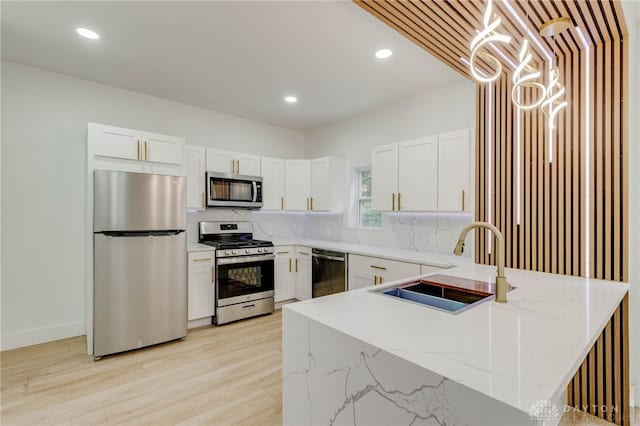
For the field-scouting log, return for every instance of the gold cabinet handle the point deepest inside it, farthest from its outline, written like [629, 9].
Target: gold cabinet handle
[281, 203]
[233, 166]
[204, 259]
[138, 149]
[311, 201]
[375, 280]
[463, 200]
[213, 275]
[296, 265]
[282, 252]
[303, 253]
[238, 166]
[203, 206]
[399, 207]
[379, 280]
[307, 203]
[382, 268]
[393, 201]
[146, 149]
[289, 264]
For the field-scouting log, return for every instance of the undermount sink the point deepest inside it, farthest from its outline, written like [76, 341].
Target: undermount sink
[442, 292]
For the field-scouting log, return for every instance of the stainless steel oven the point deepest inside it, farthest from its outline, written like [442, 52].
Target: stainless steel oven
[234, 191]
[244, 270]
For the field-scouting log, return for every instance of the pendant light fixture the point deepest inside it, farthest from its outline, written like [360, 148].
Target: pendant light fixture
[527, 80]
[525, 76]
[487, 35]
[553, 104]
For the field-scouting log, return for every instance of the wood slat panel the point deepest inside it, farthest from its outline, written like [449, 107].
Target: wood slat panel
[574, 210]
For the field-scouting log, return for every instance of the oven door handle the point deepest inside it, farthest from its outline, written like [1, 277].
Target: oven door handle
[244, 259]
[255, 191]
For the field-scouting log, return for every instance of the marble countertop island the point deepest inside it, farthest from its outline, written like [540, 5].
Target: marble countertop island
[362, 358]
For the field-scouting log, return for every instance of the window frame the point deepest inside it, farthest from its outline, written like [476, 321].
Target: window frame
[359, 199]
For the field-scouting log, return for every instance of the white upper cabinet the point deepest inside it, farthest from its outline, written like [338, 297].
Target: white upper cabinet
[247, 164]
[327, 184]
[116, 142]
[230, 162]
[273, 183]
[161, 148]
[150, 152]
[454, 152]
[424, 174]
[220, 161]
[298, 185]
[384, 177]
[314, 185]
[418, 175]
[194, 161]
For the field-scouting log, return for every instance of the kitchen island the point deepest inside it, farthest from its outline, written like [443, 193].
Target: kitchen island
[363, 358]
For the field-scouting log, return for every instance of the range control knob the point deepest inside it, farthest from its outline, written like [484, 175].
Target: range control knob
[234, 252]
[259, 250]
[227, 252]
[247, 250]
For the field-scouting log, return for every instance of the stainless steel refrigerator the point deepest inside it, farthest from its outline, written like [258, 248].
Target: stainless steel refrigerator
[140, 262]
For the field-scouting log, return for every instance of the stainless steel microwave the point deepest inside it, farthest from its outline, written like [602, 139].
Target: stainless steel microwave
[234, 191]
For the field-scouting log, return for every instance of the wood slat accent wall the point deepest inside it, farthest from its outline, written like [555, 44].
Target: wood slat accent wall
[566, 216]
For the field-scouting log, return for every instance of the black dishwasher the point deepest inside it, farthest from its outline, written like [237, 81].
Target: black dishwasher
[328, 272]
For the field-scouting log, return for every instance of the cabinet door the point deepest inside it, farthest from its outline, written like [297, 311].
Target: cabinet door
[320, 185]
[284, 274]
[360, 280]
[384, 177]
[201, 285]
[272, 183]
[418, 175]
[194, 159]
[161, 148]
[302, 265]
[453, 171]
[297, 184]
[220, 161]
[116, 142]
[247, 164]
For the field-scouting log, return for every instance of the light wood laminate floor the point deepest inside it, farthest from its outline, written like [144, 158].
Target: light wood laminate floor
[218, 376]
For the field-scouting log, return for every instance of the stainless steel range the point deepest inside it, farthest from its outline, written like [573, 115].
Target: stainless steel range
[244, 270]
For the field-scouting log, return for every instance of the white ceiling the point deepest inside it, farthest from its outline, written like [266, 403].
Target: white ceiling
[240, 58]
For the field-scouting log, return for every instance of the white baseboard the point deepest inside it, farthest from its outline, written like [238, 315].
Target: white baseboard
[199, 322]
[34, 336]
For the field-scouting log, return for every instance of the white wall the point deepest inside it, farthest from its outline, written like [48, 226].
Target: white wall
[438, 111]
[632, 15]
[44, 126]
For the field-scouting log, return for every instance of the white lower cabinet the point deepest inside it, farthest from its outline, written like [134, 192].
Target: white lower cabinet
[285, 275]
[201, 285]
[302, 267]
[365, 271]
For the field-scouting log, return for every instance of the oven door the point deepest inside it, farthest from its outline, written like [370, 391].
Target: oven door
[224, 190]
[244, 278]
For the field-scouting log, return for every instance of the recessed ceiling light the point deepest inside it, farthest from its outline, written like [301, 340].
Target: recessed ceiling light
[290, 99]
[84, 32]
[383, 53]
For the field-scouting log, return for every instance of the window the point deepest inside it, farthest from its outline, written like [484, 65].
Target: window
[367, 218]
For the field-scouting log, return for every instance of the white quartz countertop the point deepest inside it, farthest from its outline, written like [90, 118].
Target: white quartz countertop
[424, 258]
[518, 353]
[191, 246]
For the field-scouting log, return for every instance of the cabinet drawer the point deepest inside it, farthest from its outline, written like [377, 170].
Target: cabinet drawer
[388, 269]
[201, 258]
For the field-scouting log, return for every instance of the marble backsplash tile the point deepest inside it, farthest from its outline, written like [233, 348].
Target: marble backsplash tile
[429, 232]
